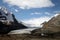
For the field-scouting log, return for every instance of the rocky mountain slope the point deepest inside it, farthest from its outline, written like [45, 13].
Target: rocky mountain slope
[50, 27]
[53, 24]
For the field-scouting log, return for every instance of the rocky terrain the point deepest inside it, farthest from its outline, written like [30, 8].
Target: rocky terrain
[52, 27]
[28, 37]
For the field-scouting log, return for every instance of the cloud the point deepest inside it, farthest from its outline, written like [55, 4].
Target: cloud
[47, 13]
[56, 12]
[36, 13]
[27, 4]
[36, 22]
[16, 10]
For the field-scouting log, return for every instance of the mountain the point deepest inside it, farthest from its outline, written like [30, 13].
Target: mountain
[51, 27]
[53, 24]
[8, 22]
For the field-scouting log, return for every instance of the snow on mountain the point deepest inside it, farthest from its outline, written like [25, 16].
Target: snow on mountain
[4, 12]
[56, 15]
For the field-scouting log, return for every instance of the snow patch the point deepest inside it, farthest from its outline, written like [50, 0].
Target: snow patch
[56, 15]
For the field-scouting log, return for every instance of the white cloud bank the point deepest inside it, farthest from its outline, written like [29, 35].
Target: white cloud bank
[39, 13]
[36, 22]
[27, 4]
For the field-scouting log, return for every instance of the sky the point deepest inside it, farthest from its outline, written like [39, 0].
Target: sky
[32, 12]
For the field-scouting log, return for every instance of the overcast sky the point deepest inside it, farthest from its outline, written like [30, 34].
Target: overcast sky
[32, 12]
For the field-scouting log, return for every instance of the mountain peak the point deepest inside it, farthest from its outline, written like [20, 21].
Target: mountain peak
[5, 14]
[4, 9]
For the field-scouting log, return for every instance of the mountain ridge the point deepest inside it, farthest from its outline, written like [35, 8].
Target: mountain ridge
[50, 27]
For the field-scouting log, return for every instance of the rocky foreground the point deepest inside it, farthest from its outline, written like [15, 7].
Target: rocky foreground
[27, 37]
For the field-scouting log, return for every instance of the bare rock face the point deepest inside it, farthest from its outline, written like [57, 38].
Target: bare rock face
[50, 27]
